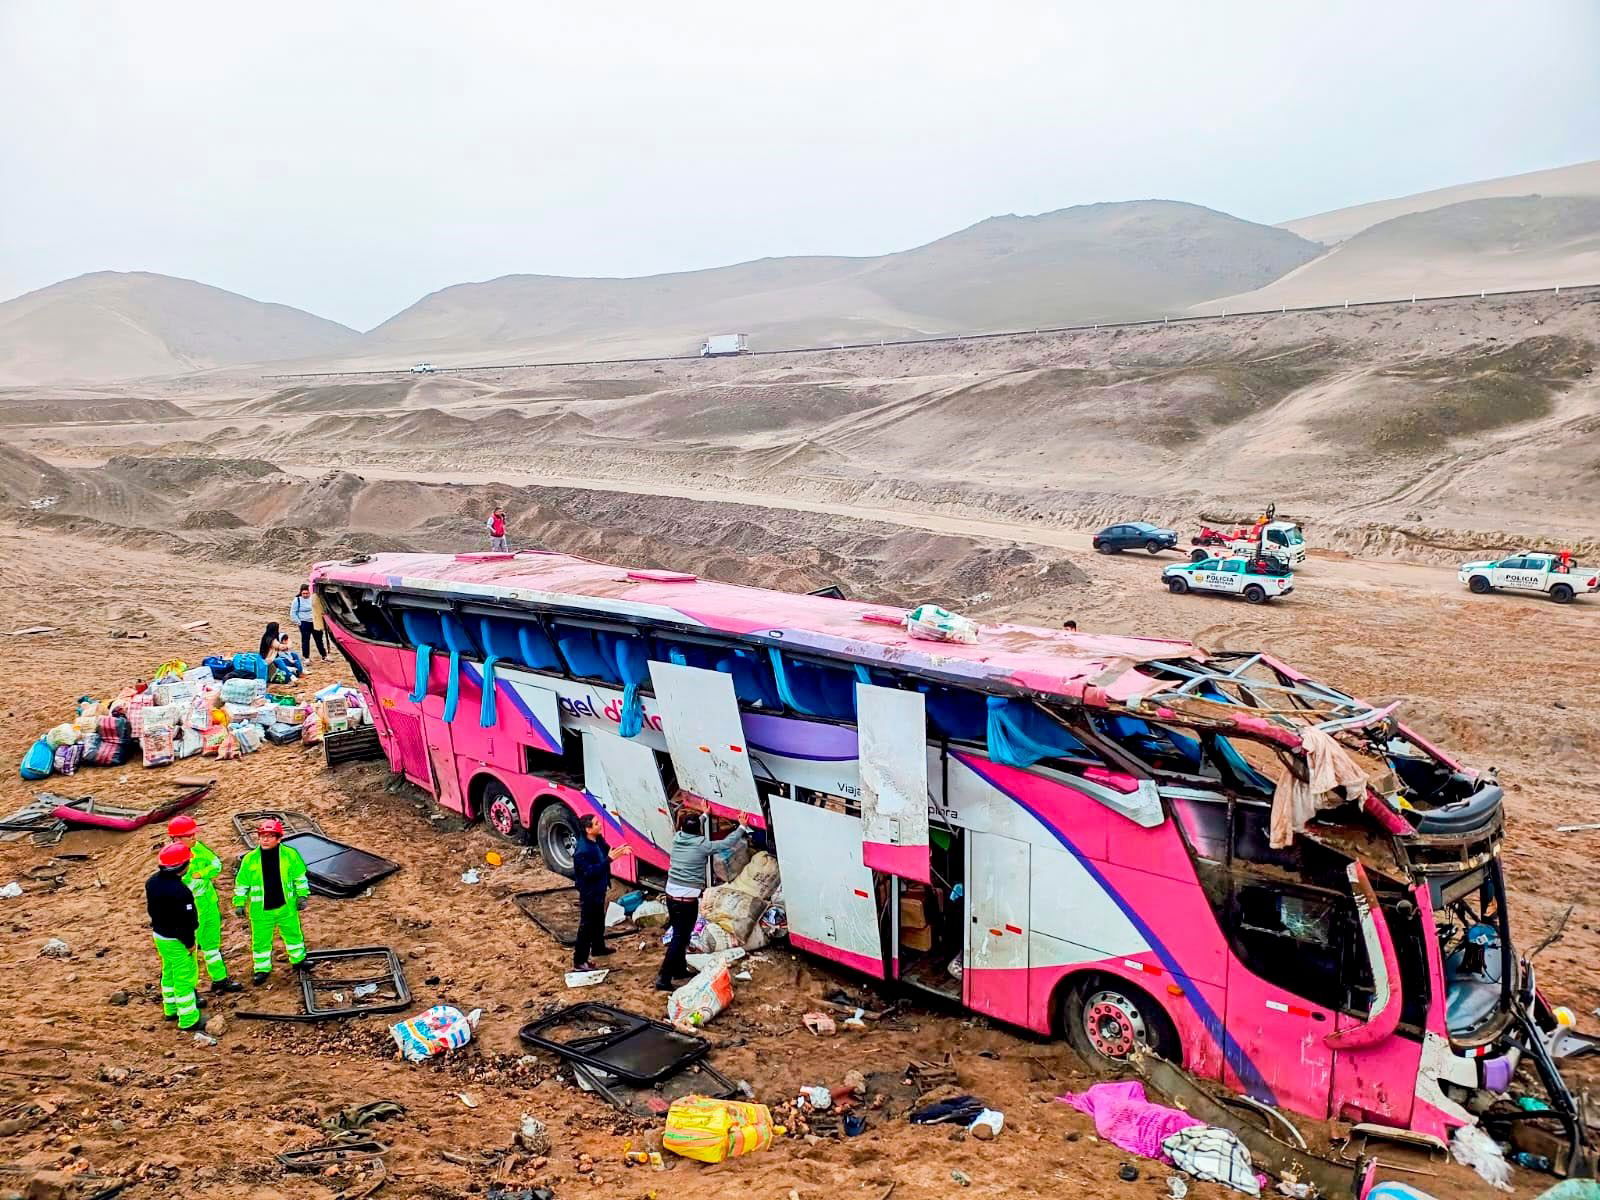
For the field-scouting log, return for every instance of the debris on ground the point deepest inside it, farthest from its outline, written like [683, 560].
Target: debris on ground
[713, 1130]
[56, 948]
[439, 1030]
[1474, 1148]
[11, 891]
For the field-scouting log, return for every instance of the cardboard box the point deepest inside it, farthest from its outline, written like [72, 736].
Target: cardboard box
[917, 938]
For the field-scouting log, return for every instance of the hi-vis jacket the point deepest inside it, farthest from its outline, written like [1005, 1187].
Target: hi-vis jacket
[247, 884]
[204, 867]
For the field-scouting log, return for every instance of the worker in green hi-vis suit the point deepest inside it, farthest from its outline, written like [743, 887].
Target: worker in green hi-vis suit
[204, 866]
[172, 926]
[272, 881]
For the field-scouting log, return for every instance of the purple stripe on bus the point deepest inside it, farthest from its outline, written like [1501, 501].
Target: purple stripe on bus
[810, 740]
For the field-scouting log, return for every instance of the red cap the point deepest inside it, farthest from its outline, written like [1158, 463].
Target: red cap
[271, 825]
[182, 826]
[175, 854]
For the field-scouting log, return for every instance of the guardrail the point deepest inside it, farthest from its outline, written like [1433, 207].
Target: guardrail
[834, 348]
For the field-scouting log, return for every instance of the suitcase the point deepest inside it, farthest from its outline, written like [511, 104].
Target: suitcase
[280, 734]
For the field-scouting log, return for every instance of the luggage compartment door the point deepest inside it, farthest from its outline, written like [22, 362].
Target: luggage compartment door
[700, 720]
[623, 774]
[994, 977]
[894, 781]
[827, 892]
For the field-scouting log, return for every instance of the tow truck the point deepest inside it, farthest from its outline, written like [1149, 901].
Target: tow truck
[1281, 541]
[1527, 571]
[1256, 579]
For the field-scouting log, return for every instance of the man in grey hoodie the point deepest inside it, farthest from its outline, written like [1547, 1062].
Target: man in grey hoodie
[686, 879]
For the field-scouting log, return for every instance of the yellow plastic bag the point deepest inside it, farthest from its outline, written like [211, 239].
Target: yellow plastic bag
[173, 668]
[712, 1130]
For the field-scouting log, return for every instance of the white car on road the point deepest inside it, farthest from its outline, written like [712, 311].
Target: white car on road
[1254, 579]
[1525, 571]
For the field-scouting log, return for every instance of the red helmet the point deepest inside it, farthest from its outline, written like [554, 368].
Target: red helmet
[182, 826]
[175, 854]
[271, 825]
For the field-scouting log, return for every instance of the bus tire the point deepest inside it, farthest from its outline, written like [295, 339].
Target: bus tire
[1255, 594]
[1562, 593]
[556, 829]
[499, 811]
[1198, 555]
[1177, 584]
[1478, 584]
[1104, 1017]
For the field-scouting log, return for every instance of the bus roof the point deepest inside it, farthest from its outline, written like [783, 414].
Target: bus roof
[1074, 666]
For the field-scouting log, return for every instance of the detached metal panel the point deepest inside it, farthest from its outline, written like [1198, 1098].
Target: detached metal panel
[629, 783]
[894, 781]
[700, 720]
[828, 894]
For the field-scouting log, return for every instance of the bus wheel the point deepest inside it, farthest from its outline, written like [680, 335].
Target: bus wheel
[1105, 1019]
[557, 831]
[500, 811]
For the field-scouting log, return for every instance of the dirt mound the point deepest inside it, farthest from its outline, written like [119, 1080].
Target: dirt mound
[22, 408]
[181, 475]
[25, 477]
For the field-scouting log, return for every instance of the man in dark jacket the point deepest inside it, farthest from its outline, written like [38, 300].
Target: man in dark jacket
[591, 871]
[173, 922]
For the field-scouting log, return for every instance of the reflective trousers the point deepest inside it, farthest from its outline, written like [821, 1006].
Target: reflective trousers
[285, 922]
[178, 977]
[208, 938]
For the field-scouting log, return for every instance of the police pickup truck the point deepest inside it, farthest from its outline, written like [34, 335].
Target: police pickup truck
[1257, 580]
[1526, 571]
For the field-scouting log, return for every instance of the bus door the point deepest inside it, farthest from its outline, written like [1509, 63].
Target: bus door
[700, 720]
[994, 976]
[625, 770]
[893, 729]
[828, 892]
[442, 755]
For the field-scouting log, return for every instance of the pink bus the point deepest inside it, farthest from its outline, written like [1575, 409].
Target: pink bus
[1070, 833]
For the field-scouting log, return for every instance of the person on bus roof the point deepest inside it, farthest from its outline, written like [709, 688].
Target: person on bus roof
[692, 846]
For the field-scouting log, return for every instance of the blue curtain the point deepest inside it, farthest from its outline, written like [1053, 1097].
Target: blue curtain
[424, 664]
[1019, 734]
[634, 665]
[452, 687]
[487, 714]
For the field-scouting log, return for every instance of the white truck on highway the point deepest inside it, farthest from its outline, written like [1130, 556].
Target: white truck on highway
[725, 345]
[422, 368]
[1527, 571]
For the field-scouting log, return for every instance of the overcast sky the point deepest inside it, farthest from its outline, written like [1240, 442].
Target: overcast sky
[349, 157]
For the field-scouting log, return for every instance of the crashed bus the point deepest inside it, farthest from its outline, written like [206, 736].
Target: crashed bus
[1118, 840]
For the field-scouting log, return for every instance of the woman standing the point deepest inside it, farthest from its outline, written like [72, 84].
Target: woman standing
[302, 613]
[686, 879]
[591, 871]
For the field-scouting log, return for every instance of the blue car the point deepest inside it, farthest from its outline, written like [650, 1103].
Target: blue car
[1134, 535]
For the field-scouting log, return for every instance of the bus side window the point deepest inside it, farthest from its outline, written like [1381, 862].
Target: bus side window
[360, 614]
[1205, 826]
[1296, 941]
[1250, 839]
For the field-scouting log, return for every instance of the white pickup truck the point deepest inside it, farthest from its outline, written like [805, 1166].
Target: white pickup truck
[1255, 579]
[1525, 571]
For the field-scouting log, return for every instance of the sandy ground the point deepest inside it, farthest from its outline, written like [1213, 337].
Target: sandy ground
[190, 1119]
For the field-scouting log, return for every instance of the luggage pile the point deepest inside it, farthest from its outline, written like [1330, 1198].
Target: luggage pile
[222, 708]
[745, 913]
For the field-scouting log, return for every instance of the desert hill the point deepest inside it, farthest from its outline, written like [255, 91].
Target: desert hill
[1580, 179]
[125, 325]
[1094, 261]
[1494, 244]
